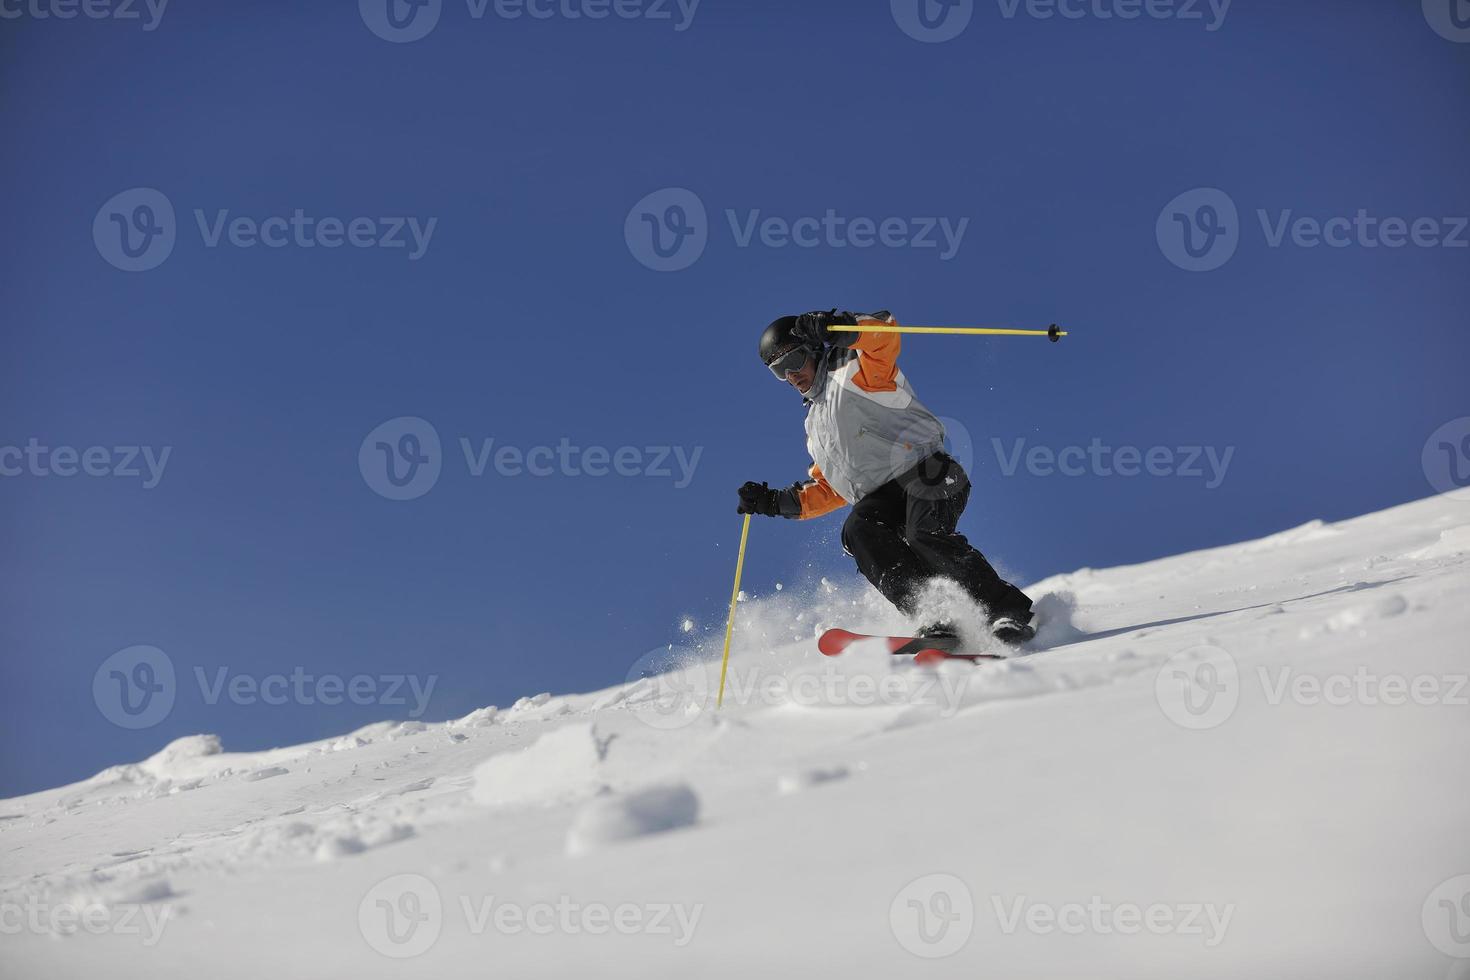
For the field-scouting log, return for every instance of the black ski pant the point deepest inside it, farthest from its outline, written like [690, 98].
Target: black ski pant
[903, 534]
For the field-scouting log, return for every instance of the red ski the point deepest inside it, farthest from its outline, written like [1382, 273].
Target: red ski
[924, 650]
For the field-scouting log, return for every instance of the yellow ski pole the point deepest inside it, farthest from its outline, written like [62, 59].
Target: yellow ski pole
[734, 598]
[1054, 332]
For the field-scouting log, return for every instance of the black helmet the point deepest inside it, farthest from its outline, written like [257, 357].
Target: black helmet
[779, 338]
[783, 349]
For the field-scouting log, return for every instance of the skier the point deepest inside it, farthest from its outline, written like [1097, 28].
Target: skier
[876, 447]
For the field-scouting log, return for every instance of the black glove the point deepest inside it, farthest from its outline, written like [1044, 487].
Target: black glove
[811, 328]
[757, 498]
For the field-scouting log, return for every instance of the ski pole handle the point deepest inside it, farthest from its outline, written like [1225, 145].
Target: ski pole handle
[734, 598]
[1054, 333]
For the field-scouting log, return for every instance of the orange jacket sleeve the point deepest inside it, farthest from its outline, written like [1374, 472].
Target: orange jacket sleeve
[877, 368]
[818, 497]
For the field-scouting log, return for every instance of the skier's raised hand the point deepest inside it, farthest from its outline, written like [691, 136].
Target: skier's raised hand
[811, 328]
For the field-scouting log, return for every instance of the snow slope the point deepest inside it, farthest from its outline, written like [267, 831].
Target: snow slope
[1247, 761]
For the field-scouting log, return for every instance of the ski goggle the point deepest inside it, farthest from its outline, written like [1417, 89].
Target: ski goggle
[793, 360]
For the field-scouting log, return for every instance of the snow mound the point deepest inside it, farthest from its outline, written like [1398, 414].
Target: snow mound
[386, 730]
[1358, 616]
[795, 782]
[652, 810]
[479, 718]
[560, 765]
[1453, 542]
[1314, 530]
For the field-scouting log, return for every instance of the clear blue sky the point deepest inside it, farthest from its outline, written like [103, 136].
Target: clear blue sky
[529, 319]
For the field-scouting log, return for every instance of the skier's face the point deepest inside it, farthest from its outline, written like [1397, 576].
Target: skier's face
[802, 380]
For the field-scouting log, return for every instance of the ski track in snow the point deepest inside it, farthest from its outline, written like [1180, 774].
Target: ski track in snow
[794, 816]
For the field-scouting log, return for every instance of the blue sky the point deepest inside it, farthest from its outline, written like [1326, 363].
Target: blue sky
[468, 253]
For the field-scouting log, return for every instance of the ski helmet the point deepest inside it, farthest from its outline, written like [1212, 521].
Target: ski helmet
[778, 340]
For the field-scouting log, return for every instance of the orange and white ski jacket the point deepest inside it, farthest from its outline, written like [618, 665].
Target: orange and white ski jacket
[864, 426]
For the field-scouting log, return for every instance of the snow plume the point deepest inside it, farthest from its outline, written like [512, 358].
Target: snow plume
[1056, 618]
